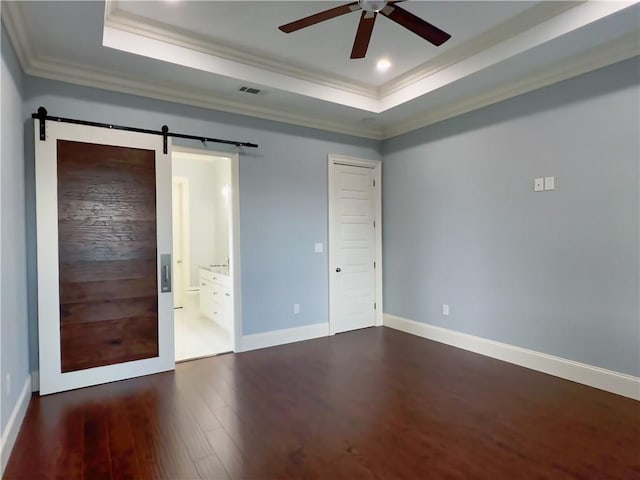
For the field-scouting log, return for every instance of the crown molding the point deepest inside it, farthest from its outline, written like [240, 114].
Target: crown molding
[508, 29]
[77, 74]
[15, 25]
[613, 52]
[131, 23]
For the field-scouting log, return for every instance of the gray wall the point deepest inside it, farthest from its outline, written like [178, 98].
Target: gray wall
[556, 272]
[13, 284]
[283, 194]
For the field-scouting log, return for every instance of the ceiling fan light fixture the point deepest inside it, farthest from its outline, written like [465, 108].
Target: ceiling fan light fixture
[383, 65]
[372, 5]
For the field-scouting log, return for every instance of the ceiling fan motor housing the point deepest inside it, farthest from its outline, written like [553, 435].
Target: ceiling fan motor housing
[372, 5]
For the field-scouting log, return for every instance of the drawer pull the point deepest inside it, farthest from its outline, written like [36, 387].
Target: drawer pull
[215, 293]
[228, 294]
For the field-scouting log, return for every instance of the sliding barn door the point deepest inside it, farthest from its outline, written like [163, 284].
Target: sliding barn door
[104, 219]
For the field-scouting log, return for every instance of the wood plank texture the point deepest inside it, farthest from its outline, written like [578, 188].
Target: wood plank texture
[97, 311]
[105, 271]
[375, 403]
[108, 342]
[107, 257]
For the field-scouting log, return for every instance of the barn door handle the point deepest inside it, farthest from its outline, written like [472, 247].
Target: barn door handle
[165, 272]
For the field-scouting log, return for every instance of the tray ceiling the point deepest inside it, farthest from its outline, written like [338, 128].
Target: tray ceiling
[201, 53]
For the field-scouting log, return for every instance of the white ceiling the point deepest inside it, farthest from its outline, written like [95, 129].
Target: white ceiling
[200, 53]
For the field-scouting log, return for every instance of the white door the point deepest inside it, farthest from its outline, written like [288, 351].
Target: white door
[178, 239]
[103, 204]
[352, 246]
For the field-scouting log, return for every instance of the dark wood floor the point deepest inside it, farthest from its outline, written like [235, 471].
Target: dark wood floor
[374, 403]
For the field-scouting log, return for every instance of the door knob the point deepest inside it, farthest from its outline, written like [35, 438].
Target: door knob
[338, 269]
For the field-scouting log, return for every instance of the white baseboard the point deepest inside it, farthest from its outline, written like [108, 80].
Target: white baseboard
[615, 382]
[280, 337]
[10, 433]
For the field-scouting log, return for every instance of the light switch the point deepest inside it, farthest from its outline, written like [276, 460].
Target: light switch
[549, 183]
[538, 184]
[319, 247]
[445, 309]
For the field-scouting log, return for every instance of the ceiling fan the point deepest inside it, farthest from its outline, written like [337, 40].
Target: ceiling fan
[370, 10]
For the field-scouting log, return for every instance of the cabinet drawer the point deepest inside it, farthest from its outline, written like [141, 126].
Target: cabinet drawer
[222, 280]
[206, 275]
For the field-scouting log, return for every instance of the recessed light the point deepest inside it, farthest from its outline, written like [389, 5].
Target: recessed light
[383, 64]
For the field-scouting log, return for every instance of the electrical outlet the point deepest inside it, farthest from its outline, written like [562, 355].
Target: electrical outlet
[319, 247]
[296, 308]
[445, 309]
[538, 184]
[8, 383]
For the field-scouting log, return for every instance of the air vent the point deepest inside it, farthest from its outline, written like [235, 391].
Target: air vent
[253, 91]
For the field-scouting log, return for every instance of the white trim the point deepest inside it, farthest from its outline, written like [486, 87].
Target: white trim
[35, 381]
[10, 433]
[614, 382]
[234, 252]
[283, 336]
[185, 229]
[15, 25]
[186, 232]
[187, 56]
[376, 166]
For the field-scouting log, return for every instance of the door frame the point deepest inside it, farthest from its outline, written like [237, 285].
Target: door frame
[376, 166]
[51, 379]
[185, 227]
[234, 231]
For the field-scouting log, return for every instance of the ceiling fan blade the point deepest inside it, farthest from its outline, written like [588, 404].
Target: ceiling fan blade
[418, 26]
[320, 17]
[363, 36]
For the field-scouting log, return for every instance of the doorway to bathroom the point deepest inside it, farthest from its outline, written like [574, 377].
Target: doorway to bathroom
[204, 279]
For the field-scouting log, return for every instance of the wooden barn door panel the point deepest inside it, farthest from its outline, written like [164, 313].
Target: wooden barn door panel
[106, 220]
[103, 204]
